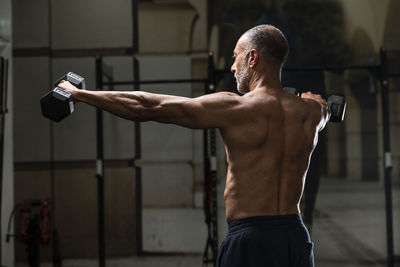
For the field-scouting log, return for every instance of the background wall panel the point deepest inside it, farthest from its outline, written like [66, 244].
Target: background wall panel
[91, 24]
[31, 23]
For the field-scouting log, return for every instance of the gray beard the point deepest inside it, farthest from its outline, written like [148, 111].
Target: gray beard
[243, 81]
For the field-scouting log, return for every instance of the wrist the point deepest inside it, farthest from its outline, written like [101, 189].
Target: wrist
[78, 95]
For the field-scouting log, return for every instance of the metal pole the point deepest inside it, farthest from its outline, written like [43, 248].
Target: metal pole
[138, 171]
[137, 131]
[135, 26]
[210, 178]
[387, 156]
[206, 192]
[100, 168]
[3, 112]
[213, 165]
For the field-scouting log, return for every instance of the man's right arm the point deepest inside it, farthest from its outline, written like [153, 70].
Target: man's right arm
[218, 110]
[319, 109]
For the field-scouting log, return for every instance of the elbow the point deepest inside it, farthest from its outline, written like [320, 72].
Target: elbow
[133, 112]
[327, 113]
[143, 114]
[145, 109]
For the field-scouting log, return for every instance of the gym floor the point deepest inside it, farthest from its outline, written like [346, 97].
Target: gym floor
[341, 233]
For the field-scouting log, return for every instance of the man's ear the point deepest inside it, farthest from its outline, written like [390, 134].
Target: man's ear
[253, 58]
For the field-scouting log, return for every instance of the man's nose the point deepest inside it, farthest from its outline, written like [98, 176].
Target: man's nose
[233, 68]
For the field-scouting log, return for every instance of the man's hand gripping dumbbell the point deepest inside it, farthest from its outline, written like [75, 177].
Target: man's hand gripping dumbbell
[337, 104]
[58, 104]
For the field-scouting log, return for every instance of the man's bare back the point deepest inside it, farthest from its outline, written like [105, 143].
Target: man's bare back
[268, 150]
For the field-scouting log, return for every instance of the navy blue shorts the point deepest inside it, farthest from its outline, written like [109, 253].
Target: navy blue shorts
[267, 241]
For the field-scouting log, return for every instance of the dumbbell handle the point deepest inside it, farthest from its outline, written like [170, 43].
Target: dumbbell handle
[336, 103]
[73, 78]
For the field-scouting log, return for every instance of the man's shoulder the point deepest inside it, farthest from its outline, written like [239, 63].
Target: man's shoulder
[225, 96]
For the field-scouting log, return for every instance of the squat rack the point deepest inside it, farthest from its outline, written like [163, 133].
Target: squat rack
[210, 209]
[209, 155]
[381, 70]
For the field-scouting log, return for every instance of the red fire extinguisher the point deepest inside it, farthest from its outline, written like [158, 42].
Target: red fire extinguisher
[45, 223]
[24, 216]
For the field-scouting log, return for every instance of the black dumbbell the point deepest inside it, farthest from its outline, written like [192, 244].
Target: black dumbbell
[336, 103]
[58, 104]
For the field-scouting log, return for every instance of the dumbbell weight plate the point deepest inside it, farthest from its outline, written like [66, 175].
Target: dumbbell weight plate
[337, 105]
[57, 104]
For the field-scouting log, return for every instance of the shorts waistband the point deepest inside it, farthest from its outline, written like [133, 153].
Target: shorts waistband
[264, 220]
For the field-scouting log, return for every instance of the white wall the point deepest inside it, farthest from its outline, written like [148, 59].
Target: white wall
[8, 171]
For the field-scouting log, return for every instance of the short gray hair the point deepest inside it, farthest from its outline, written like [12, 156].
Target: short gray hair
[270, 42]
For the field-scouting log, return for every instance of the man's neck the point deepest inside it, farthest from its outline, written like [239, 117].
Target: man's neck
[268, 82]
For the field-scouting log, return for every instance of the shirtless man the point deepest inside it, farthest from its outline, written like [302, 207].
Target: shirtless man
[269, 136]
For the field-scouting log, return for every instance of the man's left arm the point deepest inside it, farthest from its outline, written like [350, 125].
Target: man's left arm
[321, 111]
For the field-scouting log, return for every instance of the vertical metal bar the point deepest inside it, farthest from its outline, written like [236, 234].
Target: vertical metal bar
[206, 192]
[57, 262]
[210, 177]
[135, 26]
[100, 168]
[387, 156]
[4, 85]
[137, 132]
[3, 111]
[214, 204]
[213, 165]
[138, 170]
